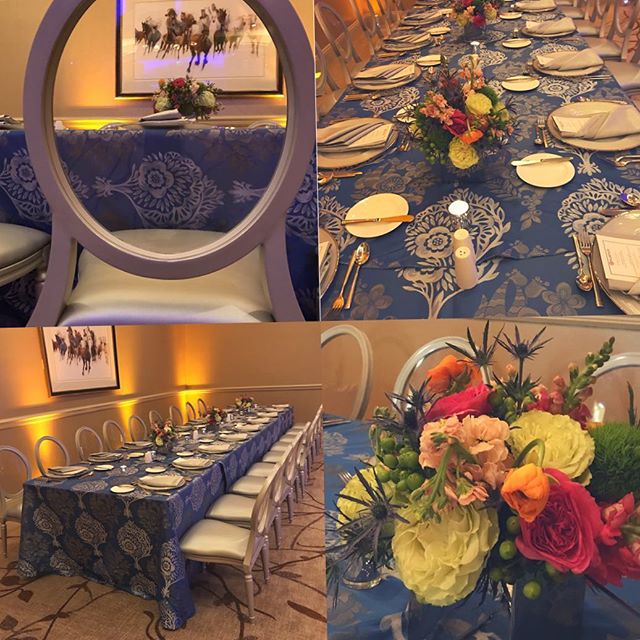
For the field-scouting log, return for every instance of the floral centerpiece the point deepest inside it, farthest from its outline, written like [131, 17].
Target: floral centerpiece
[475, 14]
[462, 119]
[164, 435]
[245, 403]
[190, 97]
[216, 417]
[484, 483]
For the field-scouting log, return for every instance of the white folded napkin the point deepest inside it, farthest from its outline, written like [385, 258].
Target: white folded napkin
[374, 138]
[162, 481]
[193, 463]
[387, 72]
[217, 447]
[568, 60]
[410, 38]
[233, 437]
[137, 444]
[621, 121]
[67, 471]
[536, 5]
[248, 428]
[172, 114]
[551, 27]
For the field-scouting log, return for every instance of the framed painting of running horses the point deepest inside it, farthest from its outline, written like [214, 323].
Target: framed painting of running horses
[80, 359]
[222, 42]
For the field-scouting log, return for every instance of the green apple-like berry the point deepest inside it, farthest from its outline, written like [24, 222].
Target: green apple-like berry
[532, 590]
[507, 550]
[513, 525]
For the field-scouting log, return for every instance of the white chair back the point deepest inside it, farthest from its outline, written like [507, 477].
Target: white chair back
[108, 428]
[421, 354]
[191, 411]
[5, 495]
[203, 410]
[264, 226]
[364, 388]
[619, 361]
[155, 418]
[82, 451]
[176, 415]
[57, 443]
[623, 23]
[368, 24]
[138, 429]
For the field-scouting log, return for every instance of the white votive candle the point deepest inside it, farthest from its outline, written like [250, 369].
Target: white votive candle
[461, 238]
[597, 415]
[196, 435]
[148, 457]
[465, 268]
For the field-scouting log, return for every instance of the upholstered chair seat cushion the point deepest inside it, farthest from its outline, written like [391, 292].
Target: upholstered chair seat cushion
[12, 509]
[603, 47]
[231, 507]
[274, 456]
[627, 74]
[586, 28]
[106, 295]
[573, 12]
[248, 486]
[18, 242]
[261, 469]
[213, 538]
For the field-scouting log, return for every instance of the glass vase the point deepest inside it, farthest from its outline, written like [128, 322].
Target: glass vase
[555, 615]
[362, 574]
[471, 32]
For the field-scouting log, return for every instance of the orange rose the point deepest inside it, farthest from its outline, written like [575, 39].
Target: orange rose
[450, 368]
[526, 491]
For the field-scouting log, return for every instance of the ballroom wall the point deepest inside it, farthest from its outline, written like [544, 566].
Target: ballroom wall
[86, 80]
[394, 341]
[159, 366]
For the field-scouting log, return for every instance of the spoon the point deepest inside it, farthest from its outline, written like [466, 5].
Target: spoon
[630, 199]
[362, 256]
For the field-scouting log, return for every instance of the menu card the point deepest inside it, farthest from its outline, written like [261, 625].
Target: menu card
[621, 262]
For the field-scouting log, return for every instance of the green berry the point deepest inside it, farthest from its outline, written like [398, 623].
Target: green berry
[414, 481]
[388, 444]
[410, 460]
[395, 476]
[508, 575]
[402, 485]
[552, 572]
[384, 475]
[496, 574]
[532, 590]
[390, 461]
[507, 550]
[513, 525]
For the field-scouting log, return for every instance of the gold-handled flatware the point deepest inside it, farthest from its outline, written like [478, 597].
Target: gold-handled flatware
[586, 248]
[390, 219]
[583, 280]
[325, 177]
[338, 303]
[362, 255]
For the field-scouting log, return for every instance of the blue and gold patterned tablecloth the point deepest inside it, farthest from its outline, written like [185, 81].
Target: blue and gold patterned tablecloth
[522, 233]
[376, 614]
[131, 541]
[205, 178]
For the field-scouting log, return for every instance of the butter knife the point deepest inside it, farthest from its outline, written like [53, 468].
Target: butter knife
[526, 162]
[390, 219]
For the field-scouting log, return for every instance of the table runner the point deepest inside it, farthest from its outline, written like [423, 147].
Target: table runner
[522, 233]
[376, 614]
[201, 178]
[131, 541]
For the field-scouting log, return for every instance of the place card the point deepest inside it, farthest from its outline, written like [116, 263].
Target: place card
[621, 262]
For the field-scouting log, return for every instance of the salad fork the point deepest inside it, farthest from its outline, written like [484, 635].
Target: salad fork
[585, 246]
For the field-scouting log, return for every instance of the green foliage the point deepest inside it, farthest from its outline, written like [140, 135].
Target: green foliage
[616, 467]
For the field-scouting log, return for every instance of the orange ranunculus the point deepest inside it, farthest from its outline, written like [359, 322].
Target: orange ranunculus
[450, 368]
[526, 491]
[471, 136]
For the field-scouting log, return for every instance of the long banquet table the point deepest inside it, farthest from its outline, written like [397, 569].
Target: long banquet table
[376, 614]
[522, 233]
[131, 541]
[206, 178]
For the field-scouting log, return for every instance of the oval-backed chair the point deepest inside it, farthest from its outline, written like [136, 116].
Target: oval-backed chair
[65, 453]
[81, 449]
[138, 429]
[11, 503]
[109, 429]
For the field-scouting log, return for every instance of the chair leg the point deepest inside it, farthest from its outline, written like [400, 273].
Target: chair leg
[265, 562]
[248, 583]
[5, 540]
[290, 507]
[277, 525]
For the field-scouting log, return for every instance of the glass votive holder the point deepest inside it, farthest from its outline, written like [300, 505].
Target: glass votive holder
[459, 210]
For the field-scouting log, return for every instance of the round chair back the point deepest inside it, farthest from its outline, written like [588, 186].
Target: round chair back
[57, 443]
[191, 411]
[138, 429]
[5, 495]
[155, 418]
[202, 408]
[83, 452]
[176, 415]
[108, 429]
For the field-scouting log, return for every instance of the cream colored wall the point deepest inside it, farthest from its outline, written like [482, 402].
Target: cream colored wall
[160, 366]
[394, 341]
[87, 78]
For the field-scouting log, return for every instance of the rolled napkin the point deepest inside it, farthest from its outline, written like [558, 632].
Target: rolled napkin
[551, 27]
[387, 72]
[535, 5]
[162, 481]
[568, 60]
[333, 139]
[620, 121]
[172, 114]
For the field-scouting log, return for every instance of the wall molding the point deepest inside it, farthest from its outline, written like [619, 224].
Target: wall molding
[621, 323]
[29, 419]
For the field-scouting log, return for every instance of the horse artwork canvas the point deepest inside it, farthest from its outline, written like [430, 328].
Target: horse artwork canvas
[80, 359]
[223, 42]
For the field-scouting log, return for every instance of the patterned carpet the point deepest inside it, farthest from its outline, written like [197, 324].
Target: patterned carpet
[292, 605]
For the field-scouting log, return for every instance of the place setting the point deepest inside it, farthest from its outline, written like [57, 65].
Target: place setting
[388, 76]
[535, 6]
[549, 28]
[568, 64]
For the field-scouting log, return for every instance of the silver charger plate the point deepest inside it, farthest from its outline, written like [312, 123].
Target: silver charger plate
[332, 259]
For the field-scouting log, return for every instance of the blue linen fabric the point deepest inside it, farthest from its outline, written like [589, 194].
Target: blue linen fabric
[376, 614]
[207, 178]
[130, 541]
[522, 234]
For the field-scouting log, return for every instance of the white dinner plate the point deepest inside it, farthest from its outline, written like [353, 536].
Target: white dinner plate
[516, 43]
[624, 225]
[572, 73]
[346, 160]
[439, 31]
[546, 175]
[184, 454]
[521, 85]
[135, 454]
[123, 488]
[206, 440]
[381, 205]
[577, 109]
[431, 60]
[103, 467]
[511, 15]
[155, 469]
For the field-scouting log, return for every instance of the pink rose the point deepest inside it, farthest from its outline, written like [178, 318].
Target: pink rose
[566, 531]
[473, 401]
[179, 83]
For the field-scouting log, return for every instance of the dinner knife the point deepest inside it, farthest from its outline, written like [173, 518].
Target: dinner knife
[390, 219]
[526, 162]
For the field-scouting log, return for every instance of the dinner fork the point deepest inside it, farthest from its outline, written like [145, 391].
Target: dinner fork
[345, 476]
[338, 303]
[586, 248]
